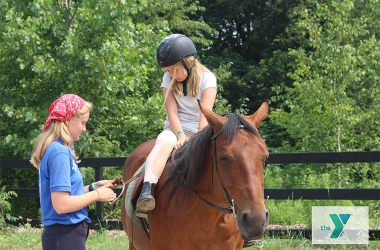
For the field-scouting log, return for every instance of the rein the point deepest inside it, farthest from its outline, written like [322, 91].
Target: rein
[118, 182]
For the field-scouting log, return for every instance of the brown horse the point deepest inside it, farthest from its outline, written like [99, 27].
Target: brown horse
[210, 195]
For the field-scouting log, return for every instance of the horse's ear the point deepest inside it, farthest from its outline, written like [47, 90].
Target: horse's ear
[214, 120]
[259, 115]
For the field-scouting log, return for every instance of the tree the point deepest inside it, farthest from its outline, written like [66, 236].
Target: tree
[253, 37]
[104, 51]
[334, 101]
[101, 50]
[248, 32]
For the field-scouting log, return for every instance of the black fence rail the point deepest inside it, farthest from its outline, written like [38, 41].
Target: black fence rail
[275, 194]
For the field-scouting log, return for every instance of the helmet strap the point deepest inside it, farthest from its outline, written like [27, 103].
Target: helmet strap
[184, 87]
[184, 83]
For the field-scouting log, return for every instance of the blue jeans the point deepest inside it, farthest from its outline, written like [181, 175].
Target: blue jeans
[65, 237]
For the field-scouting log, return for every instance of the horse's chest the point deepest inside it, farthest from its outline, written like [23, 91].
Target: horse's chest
[188, 229]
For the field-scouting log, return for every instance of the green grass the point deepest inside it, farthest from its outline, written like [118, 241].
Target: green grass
[295, 241]
[27, 238]
[304, 244]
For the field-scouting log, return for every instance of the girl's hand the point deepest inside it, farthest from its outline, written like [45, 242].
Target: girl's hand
[180, 141]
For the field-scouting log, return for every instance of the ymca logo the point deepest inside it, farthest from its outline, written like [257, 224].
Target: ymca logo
[339, 222]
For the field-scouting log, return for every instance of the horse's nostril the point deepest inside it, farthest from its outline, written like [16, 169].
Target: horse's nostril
[245, 221]
[253, 223]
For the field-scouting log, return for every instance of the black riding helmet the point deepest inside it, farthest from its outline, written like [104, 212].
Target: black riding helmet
[173, 49]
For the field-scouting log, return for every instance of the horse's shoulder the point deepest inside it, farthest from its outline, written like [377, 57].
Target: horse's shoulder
[138, 156]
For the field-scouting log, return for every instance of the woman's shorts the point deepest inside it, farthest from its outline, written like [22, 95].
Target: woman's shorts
[65, 237]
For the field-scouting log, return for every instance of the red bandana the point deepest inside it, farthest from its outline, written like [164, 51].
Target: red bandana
[64, 108]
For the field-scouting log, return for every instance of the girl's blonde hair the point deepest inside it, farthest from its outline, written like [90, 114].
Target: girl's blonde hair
[56, 130]
[193, 81]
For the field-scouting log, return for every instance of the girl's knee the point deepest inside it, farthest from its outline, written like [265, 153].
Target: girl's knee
[167, 136]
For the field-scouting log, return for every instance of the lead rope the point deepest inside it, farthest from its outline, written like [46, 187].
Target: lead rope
[119, 181]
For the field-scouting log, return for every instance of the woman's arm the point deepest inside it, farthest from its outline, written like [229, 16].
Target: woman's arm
[63, 202]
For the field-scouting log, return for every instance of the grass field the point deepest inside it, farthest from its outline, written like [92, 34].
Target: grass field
[27, 238]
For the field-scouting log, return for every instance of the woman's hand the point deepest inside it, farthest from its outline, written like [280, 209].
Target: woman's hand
[101, 183]
[105, 192]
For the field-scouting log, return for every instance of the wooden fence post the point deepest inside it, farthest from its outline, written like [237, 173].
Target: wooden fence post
[99, 205]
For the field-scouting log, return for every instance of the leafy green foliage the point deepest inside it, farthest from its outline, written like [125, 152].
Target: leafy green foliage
[5, 207]
[335, 94]
[248, 32]
[103, 51]
[333, 102]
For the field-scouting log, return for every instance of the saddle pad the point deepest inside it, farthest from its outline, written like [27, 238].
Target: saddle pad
[137, 190]
[131, 211]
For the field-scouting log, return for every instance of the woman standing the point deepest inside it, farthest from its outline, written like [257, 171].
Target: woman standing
[185, 81]
[63, 197]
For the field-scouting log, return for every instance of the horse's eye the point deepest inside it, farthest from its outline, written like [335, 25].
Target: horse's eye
[224, 156]
[224, 159]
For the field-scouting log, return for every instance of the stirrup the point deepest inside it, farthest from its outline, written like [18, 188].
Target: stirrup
[141, 214]
[145, 204]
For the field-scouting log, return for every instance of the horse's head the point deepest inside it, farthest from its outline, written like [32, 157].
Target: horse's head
[239, 160]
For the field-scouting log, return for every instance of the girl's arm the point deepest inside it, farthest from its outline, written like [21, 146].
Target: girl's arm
[208, 99]
[175, 124]
[172, 110]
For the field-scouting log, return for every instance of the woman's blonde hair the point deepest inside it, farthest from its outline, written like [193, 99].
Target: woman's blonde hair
[193, 81]
[56, 130]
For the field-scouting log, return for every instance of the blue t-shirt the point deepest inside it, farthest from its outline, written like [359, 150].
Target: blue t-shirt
[59, 172]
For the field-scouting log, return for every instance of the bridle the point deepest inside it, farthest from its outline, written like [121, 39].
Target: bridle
[231, 206]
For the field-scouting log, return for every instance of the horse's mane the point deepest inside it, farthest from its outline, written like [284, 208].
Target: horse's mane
[188, 164]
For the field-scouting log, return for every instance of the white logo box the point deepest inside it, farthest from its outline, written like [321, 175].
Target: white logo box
[340, 225]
